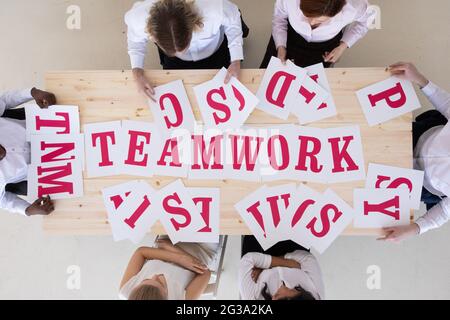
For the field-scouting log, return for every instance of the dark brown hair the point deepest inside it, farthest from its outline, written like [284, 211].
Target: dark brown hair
[172, 23]
[321, 8]
[146, 292]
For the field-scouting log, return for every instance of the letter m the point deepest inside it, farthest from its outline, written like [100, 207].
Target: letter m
[52, 177]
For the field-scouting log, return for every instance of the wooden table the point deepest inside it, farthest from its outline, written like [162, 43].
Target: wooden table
[112, 95]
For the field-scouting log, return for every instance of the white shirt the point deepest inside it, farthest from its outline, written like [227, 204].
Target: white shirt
[432, 155]
[14, 167]
[354, 17]
[220, 17]
[309, 277]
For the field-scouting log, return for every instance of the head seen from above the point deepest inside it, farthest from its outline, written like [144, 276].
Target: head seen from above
[285, 293]
[320, 11]
[172, 23]
[154, 288]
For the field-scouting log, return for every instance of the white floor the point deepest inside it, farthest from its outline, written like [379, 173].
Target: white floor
[34, 266]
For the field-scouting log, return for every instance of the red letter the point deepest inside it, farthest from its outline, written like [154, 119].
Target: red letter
[387, 95]
[315, 77]
[176, 210]
[325, 220]
[274, 209]
[205, 204]
[214, 149]
[170, 150]
[62, 148]
[239, 97]
[176, 107]
[383, 208]
[59, 186]
[284, 152]
[340, 155]
[300, 211]
[308, 95]
[303, 154]
[103, 136]
[254, 211]
[288, 79]
[218, 106]
[134, 146]
[394, 184]
[64, 123]
[250, 158]
[131, 221]
[118, 200]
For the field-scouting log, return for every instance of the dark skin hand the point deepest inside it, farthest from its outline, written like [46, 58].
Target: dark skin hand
[43, 99]
[41, 207]
[2, 153]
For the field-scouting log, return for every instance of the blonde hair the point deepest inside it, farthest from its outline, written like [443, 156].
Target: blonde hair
[146, 292]
[172, 23]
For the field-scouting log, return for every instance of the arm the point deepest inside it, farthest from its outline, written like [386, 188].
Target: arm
[438, 97]
[136, 39]
[247, 287]
[233, 30]
[359, 28]
[435, 217]
[280, 24]
[11, 99]
[12, 203]
[197, 286]
[283, 262]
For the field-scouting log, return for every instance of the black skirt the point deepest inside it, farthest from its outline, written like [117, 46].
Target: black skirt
[221, 58]
[425, 122]
[302, 52]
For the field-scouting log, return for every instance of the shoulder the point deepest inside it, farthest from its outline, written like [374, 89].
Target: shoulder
[356, 7]
[139, 13]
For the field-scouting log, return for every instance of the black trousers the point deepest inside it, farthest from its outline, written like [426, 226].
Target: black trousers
[20, 188]
[17, 188]
[423, 123]
[302, 52]
[250, 244]
[221, 58]
[17, 114]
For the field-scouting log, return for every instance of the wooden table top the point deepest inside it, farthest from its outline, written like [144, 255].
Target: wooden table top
[112, 95]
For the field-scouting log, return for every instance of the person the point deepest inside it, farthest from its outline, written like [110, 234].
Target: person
[431, 133]
[316, 31]
[200, 34]
[15, 152]
[287, 271]
[168, 272]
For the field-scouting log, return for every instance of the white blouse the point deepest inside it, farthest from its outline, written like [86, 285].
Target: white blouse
[220, 18]
[354, 17]
[309, 277]
[432, 155]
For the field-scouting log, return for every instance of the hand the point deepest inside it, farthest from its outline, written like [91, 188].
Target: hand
[336, 54]
[408, 71]
[41, 207]
[234, 70]
[190, 263]
[255, 274]
[144, 86]
[293, 264]
[398, 234]
[282, 54]
[43, 99]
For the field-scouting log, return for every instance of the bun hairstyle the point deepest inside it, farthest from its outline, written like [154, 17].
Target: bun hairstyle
[172, 23]
[321, 8]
